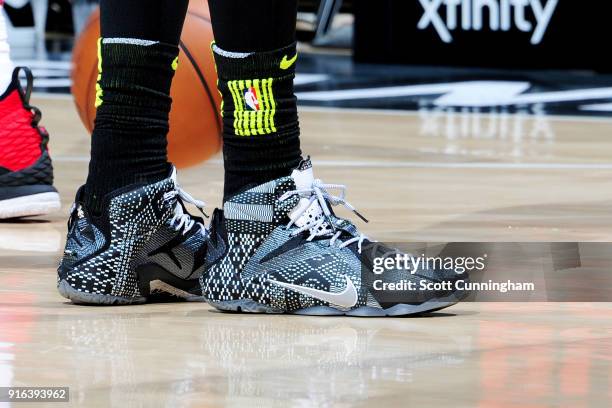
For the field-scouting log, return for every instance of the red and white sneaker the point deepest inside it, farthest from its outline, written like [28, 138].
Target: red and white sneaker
[26, 172]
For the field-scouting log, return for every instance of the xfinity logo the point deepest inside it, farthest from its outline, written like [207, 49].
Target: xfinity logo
[502, 14]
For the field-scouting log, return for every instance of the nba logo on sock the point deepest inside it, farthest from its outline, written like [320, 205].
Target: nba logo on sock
[250, 97]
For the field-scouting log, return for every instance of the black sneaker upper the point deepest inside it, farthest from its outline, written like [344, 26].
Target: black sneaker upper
[288, 251]
[143, 235]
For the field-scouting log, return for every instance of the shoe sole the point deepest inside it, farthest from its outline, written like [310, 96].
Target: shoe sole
[82, 298]
[250, 306]
[31, 205]
[163, 293]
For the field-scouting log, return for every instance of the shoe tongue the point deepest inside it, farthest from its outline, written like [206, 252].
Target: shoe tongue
[179, 203]
[303, 175]
[173, 174]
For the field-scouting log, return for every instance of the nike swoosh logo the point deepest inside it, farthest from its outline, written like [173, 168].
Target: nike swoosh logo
[286, 64]
[347, 298]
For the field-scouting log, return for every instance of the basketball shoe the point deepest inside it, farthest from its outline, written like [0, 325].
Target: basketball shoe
[26, 172]
[286, 251]
[143, 247]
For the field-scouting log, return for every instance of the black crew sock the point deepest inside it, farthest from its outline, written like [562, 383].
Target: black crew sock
[138, 59]
[256, 69]
[133, 102]
[260, 122]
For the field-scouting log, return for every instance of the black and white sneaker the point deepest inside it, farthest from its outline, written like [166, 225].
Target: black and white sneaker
[143, 247]
[287, 252]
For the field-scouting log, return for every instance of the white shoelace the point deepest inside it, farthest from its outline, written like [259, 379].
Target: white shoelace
[181, 220]
[318, 193]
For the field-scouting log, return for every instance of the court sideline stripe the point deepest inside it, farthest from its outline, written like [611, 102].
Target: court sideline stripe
[387, 112]
[415, 165]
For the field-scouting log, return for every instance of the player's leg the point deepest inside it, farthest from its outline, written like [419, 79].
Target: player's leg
[260, 123]
[137, 50]
[26, 172]
[286, 249]
[128, 235]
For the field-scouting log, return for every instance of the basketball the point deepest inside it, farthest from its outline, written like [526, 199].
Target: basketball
[195, 126]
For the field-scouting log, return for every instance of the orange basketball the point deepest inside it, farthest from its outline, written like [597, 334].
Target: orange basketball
[195, 125]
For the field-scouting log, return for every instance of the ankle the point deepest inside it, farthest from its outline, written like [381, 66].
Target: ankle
[261, 129]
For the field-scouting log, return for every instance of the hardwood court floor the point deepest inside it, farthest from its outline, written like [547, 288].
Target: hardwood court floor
[417, 177]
